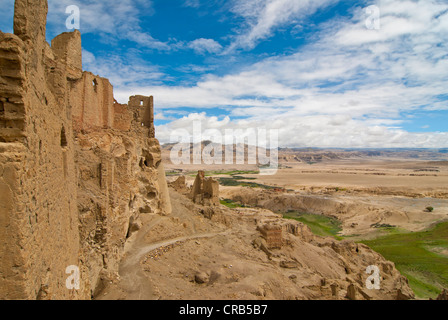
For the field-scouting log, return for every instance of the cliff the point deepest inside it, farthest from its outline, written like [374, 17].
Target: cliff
[77, 169]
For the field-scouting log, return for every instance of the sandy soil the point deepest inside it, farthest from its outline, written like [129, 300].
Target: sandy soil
[360, 193]
[187, 256]
[406, 176]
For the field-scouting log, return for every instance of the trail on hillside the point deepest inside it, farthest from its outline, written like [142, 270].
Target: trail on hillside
[134, 284]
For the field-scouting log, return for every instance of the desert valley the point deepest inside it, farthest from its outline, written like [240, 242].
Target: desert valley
[322, 199]
[355, 197]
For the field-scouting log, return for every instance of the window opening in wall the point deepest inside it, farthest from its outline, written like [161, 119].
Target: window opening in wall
[95, 84]
[63, 138]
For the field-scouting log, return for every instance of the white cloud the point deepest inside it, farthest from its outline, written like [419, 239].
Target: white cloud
[114, 19]
[146, 40]
[340, 91]
[348, 88]
[192, 3]
[263, 16]
[163, 116]
[203, 46]
[88, 58]
[122, 72]
[313, 131]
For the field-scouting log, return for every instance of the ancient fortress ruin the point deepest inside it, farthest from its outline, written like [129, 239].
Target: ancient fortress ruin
[76, 167]
[80, 173]
[205, 191]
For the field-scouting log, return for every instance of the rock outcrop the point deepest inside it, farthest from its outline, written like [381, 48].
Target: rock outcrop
[226, 257]
[77, 169]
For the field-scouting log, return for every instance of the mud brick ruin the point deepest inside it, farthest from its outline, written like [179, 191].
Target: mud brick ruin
[273, 234]
[76, 167]
[205, 191]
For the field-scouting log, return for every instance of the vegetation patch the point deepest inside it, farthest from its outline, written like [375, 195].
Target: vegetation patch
[382, 225]
[320, 225]
[243, 178]
[232, 204]
[418, 256]
[235, 181]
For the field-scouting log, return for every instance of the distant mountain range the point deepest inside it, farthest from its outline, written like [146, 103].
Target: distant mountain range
[315, 155]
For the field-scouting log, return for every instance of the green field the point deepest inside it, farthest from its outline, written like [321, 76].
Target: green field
[234, 181]
[319, 224]
[420, 256]
[172, 173]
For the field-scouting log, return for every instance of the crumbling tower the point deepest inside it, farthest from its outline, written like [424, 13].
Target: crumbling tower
[143, 108]
[205, 191]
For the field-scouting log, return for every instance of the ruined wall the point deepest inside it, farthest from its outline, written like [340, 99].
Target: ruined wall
[122, 117]
[93, 103]
[205, 191]
[143, 111]
[119, 180]
[273, 234]
[75, 169]
[39, 227]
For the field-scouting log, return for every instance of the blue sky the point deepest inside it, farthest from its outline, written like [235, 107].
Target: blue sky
[309, 68]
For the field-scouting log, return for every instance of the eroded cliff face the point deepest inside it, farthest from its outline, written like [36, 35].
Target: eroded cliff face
[77, 169]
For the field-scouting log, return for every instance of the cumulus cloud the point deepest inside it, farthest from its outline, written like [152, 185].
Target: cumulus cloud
[348, 88]
[310, 131]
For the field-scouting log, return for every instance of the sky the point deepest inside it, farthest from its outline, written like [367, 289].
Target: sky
[324, 73]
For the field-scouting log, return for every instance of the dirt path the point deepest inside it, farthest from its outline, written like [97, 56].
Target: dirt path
[134, 284]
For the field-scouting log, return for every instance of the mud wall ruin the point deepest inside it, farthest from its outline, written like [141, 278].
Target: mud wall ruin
[205, 191]
[273, 234]
[76, 167]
